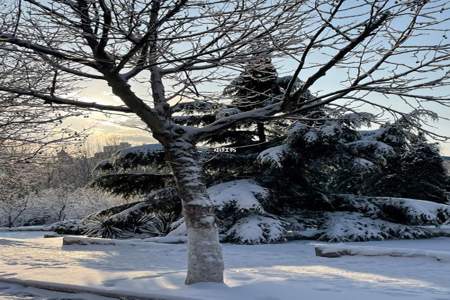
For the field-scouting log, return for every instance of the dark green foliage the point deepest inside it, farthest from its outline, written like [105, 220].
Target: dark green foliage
[256, 86]
[151, 217]
[128, 184]
[195, 120]
[293, 187]
[328, 157]
[234, 138]
[165, 200]
[112, 210]
[418, 173]
[152, 224]
[103, 227]
[398, 210]
[134, 157]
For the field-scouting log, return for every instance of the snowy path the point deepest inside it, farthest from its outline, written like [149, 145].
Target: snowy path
[267, 272]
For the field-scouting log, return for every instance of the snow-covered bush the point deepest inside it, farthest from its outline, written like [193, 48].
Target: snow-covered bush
[400, 210]
[256, 229]
[238, 195]
[351, 227]
[272, 156]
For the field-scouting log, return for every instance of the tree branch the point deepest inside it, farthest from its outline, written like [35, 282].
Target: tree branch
[60, 100]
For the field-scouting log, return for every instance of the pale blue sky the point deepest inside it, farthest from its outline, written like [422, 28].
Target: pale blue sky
[103, 126]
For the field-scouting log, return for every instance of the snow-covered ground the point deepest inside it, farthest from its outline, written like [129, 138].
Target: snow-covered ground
[264, 272]
[18, 292]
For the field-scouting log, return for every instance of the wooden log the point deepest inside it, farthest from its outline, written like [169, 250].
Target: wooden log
[339, 250]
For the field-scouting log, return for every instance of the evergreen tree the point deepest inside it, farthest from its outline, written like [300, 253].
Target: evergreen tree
[257, 86]
[417, 173]
[322, 158]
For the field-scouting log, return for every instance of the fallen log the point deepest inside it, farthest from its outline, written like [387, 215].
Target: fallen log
[339, 250]
[85, 241]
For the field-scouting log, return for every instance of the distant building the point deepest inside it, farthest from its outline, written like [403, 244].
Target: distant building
[108, 151]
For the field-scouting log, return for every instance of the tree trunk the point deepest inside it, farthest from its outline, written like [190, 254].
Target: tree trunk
[10, 222]
[261, 132]
[205, 261]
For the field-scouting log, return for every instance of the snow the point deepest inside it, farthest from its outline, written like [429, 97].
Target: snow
[411, 211]
[372, 135]
[346, 226]
[362, 164]
[330, 129]
[50, 205]
[178, 229]
[25, 228]
[140, 150]
[257, 230]
[337, 250]
[261, 272]
[226, 112]
[419, 211]
[359, 119]
[272, 156]
[243, 194]
[9, 291]
[380, 149]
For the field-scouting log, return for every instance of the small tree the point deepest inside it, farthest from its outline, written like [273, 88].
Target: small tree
[18, 183]
[181, 49]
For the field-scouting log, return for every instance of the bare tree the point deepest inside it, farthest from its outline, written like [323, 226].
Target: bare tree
[17, 185]
[182, 51]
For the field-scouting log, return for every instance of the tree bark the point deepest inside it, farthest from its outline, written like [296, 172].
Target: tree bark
[261, 132]
[205, 261]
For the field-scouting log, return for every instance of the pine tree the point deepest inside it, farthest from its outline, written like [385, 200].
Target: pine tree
[322, 158]
[255, 87]
[418, 172]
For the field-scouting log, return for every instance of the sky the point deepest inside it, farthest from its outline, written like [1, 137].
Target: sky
[105, 127]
